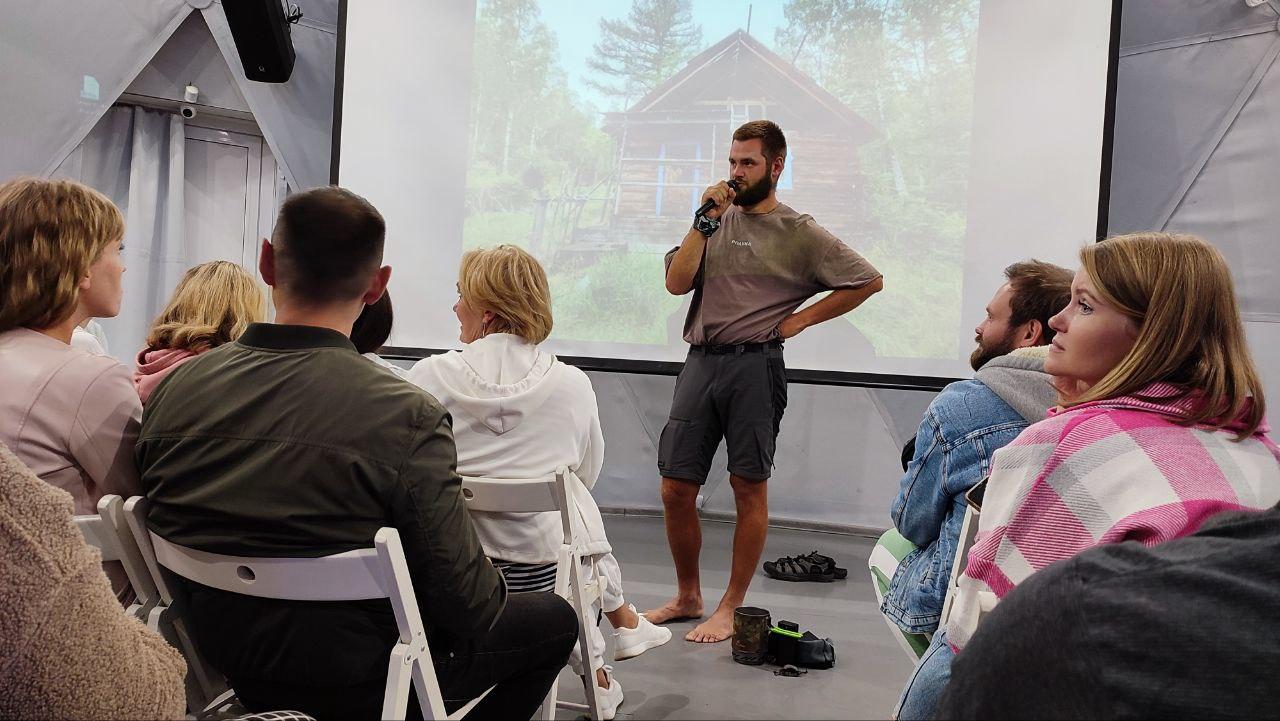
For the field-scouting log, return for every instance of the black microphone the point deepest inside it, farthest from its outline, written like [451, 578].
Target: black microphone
[711, 203]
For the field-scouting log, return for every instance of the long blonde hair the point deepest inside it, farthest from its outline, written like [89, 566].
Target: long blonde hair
[213, 304]
[1178, 292]
[511, 284]
[51, 232]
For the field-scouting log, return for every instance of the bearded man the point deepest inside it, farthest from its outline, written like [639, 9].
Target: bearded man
[751, 262]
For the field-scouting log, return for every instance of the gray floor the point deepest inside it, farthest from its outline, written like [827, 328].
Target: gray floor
[683, 680]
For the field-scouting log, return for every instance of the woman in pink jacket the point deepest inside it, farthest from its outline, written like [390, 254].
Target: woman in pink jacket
[213, 304]
[1163, 429]
[71, 417]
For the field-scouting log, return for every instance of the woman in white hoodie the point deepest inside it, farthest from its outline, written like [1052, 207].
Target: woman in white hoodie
[518, 412]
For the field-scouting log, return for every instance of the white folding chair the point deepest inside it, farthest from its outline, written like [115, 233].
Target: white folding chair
[371, 573]
[968, 537]
[109, 533]
[550, 493]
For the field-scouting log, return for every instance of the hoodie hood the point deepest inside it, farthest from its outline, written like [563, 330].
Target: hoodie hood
[1019, 379]
[154, 366]
[499, 380]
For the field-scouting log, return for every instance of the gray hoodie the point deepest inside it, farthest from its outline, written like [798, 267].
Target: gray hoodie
[1019, 379]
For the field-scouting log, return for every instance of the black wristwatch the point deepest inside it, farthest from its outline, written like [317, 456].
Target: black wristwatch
[706, 226]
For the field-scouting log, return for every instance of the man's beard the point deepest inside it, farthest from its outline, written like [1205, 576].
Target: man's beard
[756, 193]
[984, 353]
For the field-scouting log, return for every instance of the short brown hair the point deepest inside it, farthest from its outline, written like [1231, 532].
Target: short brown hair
[51, 232]
[512, 285]
[770, 136]
[327, 241]
[213, 304]
[1177, 290]
[1040, 291]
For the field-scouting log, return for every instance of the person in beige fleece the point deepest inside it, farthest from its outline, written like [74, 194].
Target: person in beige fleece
[68, 651]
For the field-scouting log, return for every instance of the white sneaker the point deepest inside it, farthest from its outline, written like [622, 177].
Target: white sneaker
[631, 642]
[610, 698]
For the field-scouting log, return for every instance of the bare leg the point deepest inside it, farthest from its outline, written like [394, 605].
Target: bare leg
[623, 617]
[752, 500]
[684, 536]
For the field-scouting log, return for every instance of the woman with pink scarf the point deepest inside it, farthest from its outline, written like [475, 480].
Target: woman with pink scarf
[1163, 429]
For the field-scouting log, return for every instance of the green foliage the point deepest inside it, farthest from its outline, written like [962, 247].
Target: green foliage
[530, 135]
[652, 44]
[622, 298]
[906, 66]
[490, 229]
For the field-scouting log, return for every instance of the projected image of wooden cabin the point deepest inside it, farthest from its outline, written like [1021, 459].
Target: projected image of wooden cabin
[674, 142]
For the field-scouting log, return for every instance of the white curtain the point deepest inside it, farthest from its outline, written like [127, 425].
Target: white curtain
[135, 157]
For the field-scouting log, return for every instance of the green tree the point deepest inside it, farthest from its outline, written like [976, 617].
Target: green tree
[635, 55]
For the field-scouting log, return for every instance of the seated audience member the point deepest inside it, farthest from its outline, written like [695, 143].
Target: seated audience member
[371, 331]
[65, 413]
[285, 442]
[69, 652]
[213, 304]
[520, 413]
[963, 425]
[1130, 631]
[1164, 429]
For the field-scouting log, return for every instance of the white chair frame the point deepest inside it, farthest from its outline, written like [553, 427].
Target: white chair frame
[968, 537]
[108, 531]
[545, 494]
[372, 573]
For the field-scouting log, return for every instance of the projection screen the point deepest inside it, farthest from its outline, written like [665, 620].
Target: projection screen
[942, 140]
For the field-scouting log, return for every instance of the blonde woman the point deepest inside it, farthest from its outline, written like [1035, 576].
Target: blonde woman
[1164, 428]
[518, 412]
[71, 417]
[213, 304]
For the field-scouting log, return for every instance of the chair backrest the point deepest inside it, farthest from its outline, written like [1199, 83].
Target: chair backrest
[521, 495]
[96, 534]
[350, 576]
[109, 532]
[968, 537]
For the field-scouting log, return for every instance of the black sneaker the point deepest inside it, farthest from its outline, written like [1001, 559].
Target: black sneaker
[800, 568]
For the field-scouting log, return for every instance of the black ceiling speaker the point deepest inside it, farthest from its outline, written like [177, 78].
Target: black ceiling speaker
[261, 31]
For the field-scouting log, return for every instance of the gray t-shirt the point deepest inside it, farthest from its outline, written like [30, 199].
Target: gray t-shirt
[758, 268]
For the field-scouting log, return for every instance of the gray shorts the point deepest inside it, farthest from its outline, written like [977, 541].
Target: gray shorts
[733, 392]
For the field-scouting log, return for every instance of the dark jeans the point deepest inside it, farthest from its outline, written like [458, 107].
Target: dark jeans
[522, 655]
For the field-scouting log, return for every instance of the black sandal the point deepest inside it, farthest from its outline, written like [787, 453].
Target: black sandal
[830, 563]
[799, 568]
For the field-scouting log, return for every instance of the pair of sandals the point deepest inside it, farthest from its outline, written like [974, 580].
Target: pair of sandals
[812, 566]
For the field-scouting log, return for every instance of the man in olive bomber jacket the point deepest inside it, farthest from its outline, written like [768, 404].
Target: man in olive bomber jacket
[288, 443]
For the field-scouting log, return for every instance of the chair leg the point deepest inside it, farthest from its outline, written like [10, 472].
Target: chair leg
[395, 699]
[548, 710]
[591, 690]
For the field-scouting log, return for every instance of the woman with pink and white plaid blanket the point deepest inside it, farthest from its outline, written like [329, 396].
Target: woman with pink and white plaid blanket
[1161, 426]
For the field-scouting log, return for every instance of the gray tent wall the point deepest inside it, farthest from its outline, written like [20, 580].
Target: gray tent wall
[67, 80]
[1194, 151]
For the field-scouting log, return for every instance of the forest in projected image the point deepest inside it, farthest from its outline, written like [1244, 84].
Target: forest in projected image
[596, 126]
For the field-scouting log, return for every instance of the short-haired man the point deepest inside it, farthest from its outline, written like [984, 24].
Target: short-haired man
[967, 422]
[750, 261]
[288, 443]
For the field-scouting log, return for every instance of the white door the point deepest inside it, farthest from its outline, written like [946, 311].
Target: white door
[230, 189]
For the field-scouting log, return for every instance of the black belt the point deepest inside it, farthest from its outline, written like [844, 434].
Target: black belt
[735, 348]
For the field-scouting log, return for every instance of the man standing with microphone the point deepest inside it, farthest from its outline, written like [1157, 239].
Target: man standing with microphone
[750, 261]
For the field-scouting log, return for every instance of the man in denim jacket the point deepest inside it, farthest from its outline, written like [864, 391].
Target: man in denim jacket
[963, 426]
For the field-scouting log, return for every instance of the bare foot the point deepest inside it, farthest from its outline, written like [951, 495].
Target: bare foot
[713, 630]
[676, 610]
